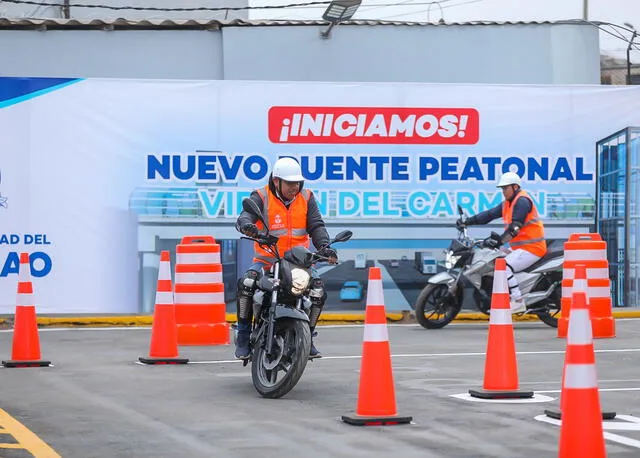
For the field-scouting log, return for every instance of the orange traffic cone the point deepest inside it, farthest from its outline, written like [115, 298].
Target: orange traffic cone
[579, 286]
[164, 333]
[26, 342]
[581, 431]
[501, 366]
[376, 396]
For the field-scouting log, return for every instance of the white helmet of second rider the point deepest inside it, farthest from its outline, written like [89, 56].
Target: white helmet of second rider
[287, 169]
[507, 179]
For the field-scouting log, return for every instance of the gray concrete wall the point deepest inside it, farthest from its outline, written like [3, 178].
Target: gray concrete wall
[509, 53]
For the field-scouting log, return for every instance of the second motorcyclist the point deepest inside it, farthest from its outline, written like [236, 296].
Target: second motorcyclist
[523, 231]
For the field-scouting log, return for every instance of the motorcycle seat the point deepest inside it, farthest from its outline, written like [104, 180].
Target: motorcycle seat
[554, 250]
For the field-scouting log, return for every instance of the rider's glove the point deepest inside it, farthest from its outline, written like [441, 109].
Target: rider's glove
[249, 229]
[328, 252]
[494, 241]
[463, 222]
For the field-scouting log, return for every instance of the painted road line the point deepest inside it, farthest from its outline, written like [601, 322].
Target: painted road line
[607, 425]
[25, 438]
[430, 355]
[599, 389]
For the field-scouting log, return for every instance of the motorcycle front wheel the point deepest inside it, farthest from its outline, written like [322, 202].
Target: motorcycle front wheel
[436, 307]
[276, 374]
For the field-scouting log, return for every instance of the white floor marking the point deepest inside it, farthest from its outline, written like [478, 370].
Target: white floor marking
[609, 425]
[599, 389]
[535, 399]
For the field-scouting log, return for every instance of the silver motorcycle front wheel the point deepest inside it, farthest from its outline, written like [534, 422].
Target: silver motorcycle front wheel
[436, 307]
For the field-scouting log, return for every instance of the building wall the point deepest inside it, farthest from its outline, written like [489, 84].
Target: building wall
[543, 53]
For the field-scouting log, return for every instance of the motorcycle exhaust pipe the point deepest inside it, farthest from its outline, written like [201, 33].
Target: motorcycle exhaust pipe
[538, 296]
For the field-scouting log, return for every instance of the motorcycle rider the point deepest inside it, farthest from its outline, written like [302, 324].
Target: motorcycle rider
[292, 214]
[524, 232]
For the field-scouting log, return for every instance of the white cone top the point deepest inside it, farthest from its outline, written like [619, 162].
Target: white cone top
[24, 272]
[164, 271]
[500, 281]
[375, 294]
[579, 332]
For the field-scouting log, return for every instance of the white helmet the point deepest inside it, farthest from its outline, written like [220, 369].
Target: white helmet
[507, 179]
[287, 169]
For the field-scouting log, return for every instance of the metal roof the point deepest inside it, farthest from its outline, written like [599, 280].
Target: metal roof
[153, 24]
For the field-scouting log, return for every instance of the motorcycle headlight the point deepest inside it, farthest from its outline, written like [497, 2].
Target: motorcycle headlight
[450, 260]
[299, 281]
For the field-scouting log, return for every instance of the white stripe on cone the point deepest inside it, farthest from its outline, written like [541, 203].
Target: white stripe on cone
[164, 271]
[25, 299]
[500, 316]
[585, 255]
[198, 258]
[500, 282]
[164, 297]
[592, 273]
[199, 298]
[24, 273]
[593, 292]
[198, 277]
[578, 333]
[375, 295]
[376, 333]
[580, 376]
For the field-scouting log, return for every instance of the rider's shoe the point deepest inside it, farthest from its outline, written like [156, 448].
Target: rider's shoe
[314, 352]
[518, 306]
[242, 345]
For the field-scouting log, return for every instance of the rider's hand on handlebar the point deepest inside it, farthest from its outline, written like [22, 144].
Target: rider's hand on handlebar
[329, 253]
[460, 224]
[492, 242]
[250, 230]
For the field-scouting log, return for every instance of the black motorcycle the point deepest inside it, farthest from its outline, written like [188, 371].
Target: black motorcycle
[281, 338]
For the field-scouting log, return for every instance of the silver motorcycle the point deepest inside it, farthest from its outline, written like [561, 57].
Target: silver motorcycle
[470, 266]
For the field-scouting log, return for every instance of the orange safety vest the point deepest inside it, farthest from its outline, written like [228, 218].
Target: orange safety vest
[289, 224]
[531, 235]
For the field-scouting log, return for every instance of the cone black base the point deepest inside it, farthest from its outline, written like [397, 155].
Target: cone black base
[494, 394]
[557, 414]
[358, 420]
[38, 363]
[163, 360]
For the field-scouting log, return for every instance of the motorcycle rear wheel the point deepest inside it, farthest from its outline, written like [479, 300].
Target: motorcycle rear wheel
[550, 315]
[436, 307]
[276, 376]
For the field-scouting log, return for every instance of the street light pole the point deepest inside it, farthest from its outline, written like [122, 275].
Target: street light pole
[633, 36]
[585, 10]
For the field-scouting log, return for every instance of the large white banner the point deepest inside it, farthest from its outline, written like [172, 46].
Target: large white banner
[88, 166]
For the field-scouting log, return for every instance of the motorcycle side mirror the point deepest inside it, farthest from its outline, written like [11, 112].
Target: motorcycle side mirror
[460, 210]
[342, 236]
[250, 206]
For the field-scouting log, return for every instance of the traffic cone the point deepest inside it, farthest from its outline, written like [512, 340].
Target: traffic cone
[581, 432]
[501, 366]
[164, 333]
[25, 350]
[376, 396]
[579, 286]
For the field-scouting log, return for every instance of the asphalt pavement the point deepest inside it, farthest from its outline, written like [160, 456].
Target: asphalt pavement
[96, 401]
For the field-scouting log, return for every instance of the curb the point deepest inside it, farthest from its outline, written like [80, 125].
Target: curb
[326, 318]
